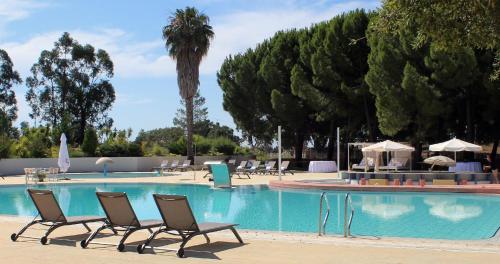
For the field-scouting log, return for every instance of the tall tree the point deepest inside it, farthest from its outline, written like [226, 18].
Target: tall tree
[187, 39]
[70, 88]
[8, 109]
[8, 78]
[200, 114]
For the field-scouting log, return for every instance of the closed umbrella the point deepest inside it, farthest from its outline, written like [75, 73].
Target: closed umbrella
[104, 161]
[63, 160]
[455, 145]
[440, 161]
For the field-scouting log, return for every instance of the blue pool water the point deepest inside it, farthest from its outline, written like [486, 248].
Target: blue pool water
[443, 216]
[94, 175]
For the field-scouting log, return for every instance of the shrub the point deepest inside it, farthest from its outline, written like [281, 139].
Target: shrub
[90, 142]
[178, 147]
[224, 146]
[203, 145]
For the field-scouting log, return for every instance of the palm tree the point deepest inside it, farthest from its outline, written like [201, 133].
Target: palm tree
[187, 39]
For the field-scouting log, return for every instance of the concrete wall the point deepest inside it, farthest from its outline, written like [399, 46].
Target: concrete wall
[16, 166]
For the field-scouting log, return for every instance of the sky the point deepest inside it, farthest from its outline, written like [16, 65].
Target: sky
[130, 31]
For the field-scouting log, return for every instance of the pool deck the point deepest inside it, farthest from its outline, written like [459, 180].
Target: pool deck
[317, 184]
[259, 247]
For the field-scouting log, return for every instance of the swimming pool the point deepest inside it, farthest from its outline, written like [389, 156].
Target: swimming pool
[418, 215]
[98, 175]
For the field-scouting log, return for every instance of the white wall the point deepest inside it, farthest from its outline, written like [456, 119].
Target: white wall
[16, 166]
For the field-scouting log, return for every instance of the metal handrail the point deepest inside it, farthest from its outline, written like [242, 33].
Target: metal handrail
[322, 223]
[347, 224]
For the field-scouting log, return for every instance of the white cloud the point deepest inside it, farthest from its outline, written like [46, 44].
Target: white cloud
[131, 58]
[12, 10]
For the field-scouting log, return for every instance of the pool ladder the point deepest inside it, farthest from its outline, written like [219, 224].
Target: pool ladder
[321, 221]
[347, 222]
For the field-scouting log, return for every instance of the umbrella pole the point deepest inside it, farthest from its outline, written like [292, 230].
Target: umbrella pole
[105, 169]
[455, 157]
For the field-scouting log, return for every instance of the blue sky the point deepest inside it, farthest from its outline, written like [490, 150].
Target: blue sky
[145, 77]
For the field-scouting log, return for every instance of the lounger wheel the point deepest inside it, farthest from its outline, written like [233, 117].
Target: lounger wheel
[83, 244]
[120, 247]
[13, 237]
[43, 240]
[180, 253]
[140, 248]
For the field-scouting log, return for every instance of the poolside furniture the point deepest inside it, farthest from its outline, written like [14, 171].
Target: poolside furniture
[378, 182]
[51, 215]
[178, 216]
[53, 174]
[173, 166]
[241, 167]
[443, 182]
[120, 216]
[253, 168]
[268, 168]
[221, 175]
[231, 161]
[367, 163]
[322, 166]
[184, 166]
[395, 164]
[284, 168]
[466, 167]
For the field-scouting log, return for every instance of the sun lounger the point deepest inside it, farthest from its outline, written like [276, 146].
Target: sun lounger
[362, 165]
[241, 168]
[253, 169]
[178, 216]
[395, 164]
[269, 167]
[51, 215]
[120, 216]
[185, 165]
[284, 168]
[173, 166]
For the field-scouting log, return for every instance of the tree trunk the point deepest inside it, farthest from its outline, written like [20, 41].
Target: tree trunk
[494, 150]
[371, 130]
[81, 130]
[189, 119]
[331, 142]
[299, 146]
[468, 116]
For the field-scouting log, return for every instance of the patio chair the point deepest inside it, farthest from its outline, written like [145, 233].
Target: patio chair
[178, 216]
[284, 168]
[241, 167]
[268, 168]
[120, 216]
[185, 165]
[173, 166]
[367, 163]
[253, 169]
[395, 164]
[51, 215]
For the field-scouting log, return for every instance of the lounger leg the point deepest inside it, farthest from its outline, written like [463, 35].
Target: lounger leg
[51, 229]
[15, 236]
[180, 251]
[237, 235]
[87, 227]
[84, 243]
[151, 237]
[121, 245]
[207, 238]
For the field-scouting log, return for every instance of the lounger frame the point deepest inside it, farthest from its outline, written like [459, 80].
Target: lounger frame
[47, 218]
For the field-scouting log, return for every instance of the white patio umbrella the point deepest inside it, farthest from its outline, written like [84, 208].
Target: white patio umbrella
[105, 161]
[387, 146]
[440, 161]
[63, 160]
[455, 145]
